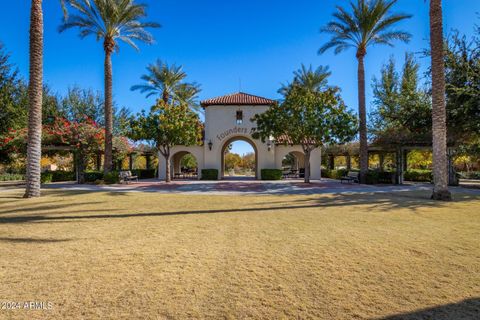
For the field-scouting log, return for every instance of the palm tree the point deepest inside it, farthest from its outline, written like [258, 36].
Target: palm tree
[110, 21]
[439, 127]
[35, 96]
[35, 91]
[166, 81]
[308, 78]
[369, 23]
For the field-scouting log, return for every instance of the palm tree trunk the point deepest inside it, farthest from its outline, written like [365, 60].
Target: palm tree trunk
[35, 88]
[439, 127]
[107, 166]
[363, 120]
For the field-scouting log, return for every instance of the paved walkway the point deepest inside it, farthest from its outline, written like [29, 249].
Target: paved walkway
[295, 187]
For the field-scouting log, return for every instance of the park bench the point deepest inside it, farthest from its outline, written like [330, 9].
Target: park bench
[126, 176]
[351, 176]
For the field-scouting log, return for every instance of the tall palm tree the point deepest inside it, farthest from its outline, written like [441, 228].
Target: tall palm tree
[167, 82]
[110, 21]
[35, 97]
[308, 78]
[35, 91]
[439, 126]
[369, 23]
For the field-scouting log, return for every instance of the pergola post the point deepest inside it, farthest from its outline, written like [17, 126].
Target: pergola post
[130, 161]
[452, 175]
[331, 162]
[399, 163]
[349, 162]
[381, 158]
[405, 160]
[98, 161]
[148, 160]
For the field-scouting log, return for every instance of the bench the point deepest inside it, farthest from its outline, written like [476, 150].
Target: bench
[126, 176]
[351, 176]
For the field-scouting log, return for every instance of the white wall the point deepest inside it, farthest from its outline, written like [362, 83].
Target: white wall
[221, 127]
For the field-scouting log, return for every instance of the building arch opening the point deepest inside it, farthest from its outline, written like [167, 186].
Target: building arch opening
[184, 166]
[293, 165]
[239, 159]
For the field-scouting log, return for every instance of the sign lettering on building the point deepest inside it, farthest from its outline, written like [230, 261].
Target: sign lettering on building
[233, 131]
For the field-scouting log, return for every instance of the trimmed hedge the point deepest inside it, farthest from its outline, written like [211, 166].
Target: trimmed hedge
[11, 177]
[60, 175]
[145, 173]
[111, 177]
[46, 177]
[92, 176]
[376, 177]
[335, 174]
[418, 175]
[271, 174]
[209, 174]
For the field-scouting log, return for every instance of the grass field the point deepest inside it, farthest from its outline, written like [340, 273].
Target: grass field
[154, 256]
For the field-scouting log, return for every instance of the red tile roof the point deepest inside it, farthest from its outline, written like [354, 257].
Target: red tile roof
[239, 98]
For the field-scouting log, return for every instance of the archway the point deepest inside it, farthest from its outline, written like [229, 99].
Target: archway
[293, 165]
[247, 166]
[184, 166]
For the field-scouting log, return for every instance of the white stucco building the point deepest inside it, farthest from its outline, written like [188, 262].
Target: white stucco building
[227, 119]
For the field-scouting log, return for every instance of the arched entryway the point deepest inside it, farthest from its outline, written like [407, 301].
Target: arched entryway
[247, 170]
[184, 166]
[293, 165]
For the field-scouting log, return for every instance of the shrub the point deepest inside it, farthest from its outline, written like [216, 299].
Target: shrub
[271, 174]
[376, 177]
[11, 177]
[111, 177]
[335, 174]
[145, 173]
[209, 174]
[418, 175]
[92, 176]
[46, 177]
[62, 176]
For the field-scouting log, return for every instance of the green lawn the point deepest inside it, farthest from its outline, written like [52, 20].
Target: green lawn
[147, 256]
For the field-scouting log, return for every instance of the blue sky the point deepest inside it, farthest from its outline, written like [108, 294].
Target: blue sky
[225, 46]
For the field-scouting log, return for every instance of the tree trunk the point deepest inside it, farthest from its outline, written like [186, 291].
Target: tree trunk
[168, 177]
[81, 164]
[307, 166]
[107, 166]
[35, 91]
[363, 120]
[439, 127]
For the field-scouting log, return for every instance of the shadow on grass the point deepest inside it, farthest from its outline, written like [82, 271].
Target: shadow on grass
[468, 309]
[32, 240]
[380, 202]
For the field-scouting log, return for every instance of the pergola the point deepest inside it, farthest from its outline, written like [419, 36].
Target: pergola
[398, 145]
[148, 154]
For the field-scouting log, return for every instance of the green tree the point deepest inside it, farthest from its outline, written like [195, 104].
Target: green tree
[110, 21]
[165, 126]
[400, 103]
[232, 160]
[167, 82]
[369, 23]
[13, 109]
[310, 119]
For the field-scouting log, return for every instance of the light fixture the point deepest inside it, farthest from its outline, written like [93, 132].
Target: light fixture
[269, 145]
[210, 145]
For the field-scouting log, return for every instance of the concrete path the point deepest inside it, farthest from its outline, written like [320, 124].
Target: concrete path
[292, 187]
